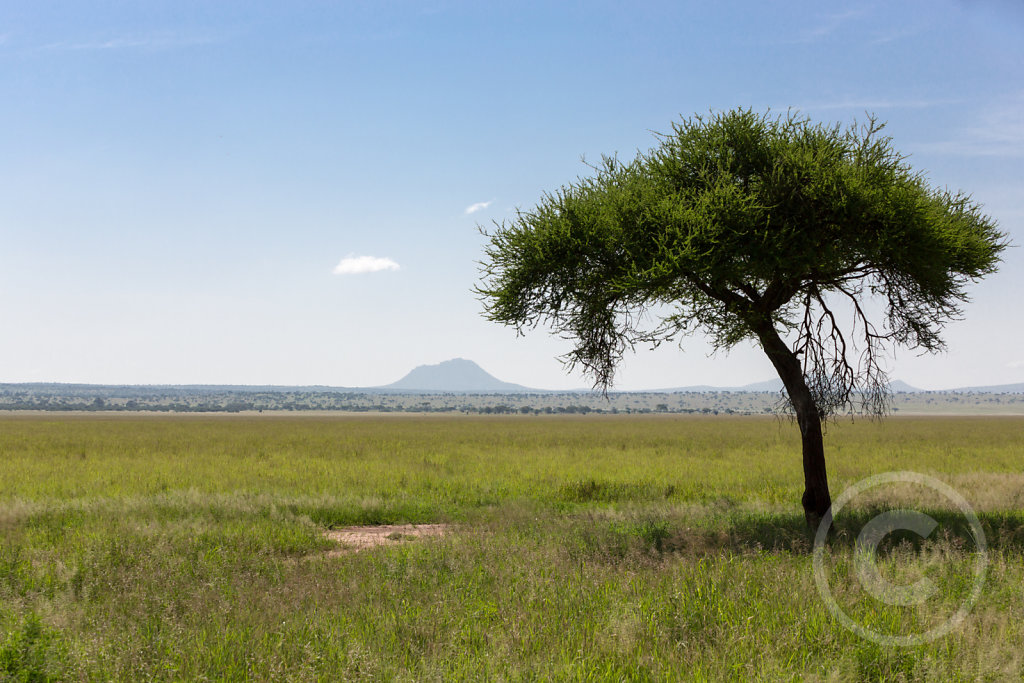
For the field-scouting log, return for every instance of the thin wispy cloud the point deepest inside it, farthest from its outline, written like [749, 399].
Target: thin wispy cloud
[479, 206]
[357, 265]
[158, 41]
[875, 104]
[831, 24]
[892, 35]
[1016, 365]
[824, 29]
[997, 131]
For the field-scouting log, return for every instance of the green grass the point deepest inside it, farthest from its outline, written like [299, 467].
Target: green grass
[192, 548]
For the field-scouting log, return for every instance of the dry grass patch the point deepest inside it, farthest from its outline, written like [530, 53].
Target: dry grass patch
[356, 538]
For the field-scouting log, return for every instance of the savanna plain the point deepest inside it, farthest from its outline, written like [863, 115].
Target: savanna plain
[141, 547]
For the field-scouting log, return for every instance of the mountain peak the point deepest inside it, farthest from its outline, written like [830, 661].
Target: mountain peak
[455, 375]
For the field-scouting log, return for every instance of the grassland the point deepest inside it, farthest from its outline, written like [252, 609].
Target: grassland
[584, 548]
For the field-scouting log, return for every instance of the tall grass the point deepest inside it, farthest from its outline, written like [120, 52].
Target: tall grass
[585, 549]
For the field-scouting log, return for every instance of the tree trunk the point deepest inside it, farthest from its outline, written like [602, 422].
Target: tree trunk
[816, 498]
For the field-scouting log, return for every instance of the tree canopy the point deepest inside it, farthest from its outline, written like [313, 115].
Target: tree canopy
[738, 221]
[747, 226]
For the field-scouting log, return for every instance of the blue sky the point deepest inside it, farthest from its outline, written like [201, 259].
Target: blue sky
[181, 181]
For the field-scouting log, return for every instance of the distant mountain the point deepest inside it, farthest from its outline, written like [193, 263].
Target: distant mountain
[900, 385]
[454, 376]
[774, 386]
[457, 375]
[994, 389]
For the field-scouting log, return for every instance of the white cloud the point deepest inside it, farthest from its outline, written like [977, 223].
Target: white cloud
[356, 265]
[1014, 365]
[479, 206]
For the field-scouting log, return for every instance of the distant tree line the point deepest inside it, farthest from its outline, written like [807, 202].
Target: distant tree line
[178, 400]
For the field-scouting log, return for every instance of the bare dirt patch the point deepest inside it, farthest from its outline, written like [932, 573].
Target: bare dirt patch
[356, 538]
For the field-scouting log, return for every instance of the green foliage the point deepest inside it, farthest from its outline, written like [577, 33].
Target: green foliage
[742, 225]
[30, 652]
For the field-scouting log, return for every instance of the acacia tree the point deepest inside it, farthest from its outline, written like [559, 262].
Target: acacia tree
[748, 227]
